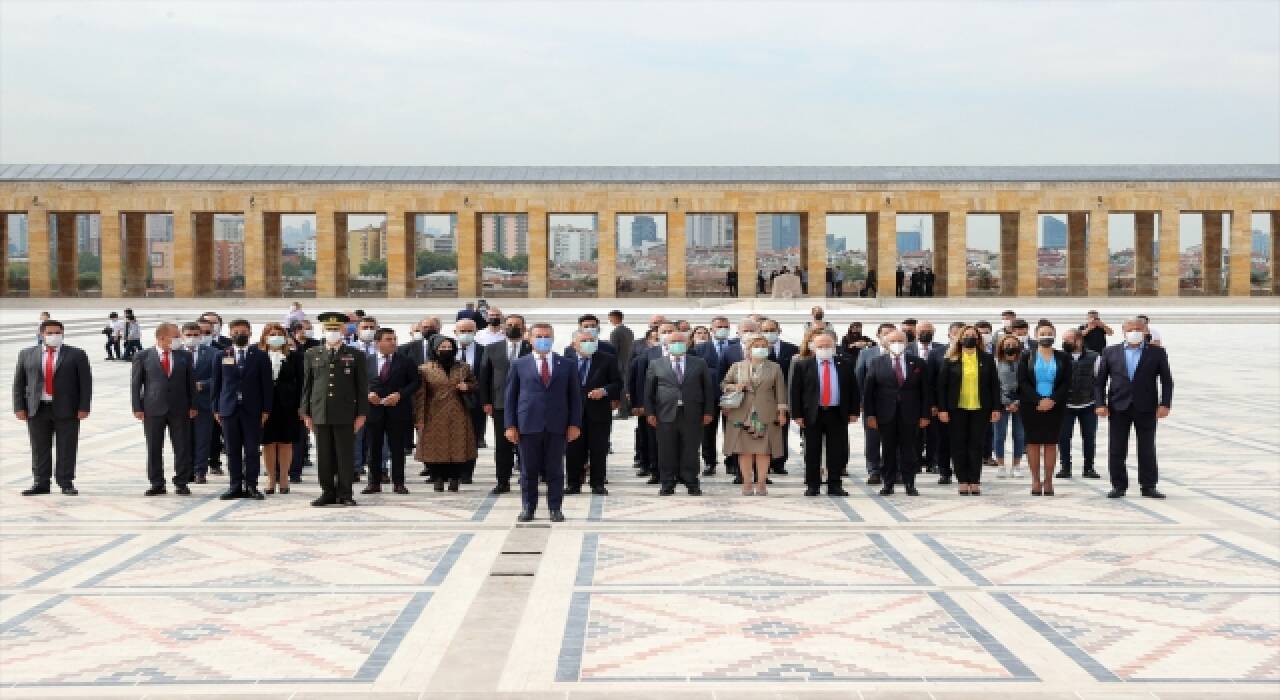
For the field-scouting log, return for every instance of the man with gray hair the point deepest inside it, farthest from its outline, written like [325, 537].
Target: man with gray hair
[679, 398]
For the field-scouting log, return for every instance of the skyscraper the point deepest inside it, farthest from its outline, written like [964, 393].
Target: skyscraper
[1055, 233]
[643, 229]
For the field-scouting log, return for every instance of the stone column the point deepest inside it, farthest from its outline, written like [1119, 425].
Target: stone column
[537, 252]
[1210, 251]
[1166, 274]
[109, 241]
[1239, 268]
[607, 254]
[1077, 232]
[887, 253]
[873, 248]
[38, 252]
[272, 263]
[1143, 253]
[1275, 246]
[255, 255]
[327, 284]
[1027, 253]
[4, 254]
[676, 254]
[202, 241]
[814, 226]
[184, 255]
[744, 237]
[341, 254]
[68, 264]
[1097, 278]
[468, 254]
[941, 251]
[400, 254]
[1009, 254]
[135, 254]
[958, 253]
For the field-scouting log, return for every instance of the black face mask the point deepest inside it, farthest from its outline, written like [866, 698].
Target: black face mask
[494, 322]
[429, 333]
[1146, 338]
[969, 342]
[445, 358]
[1011, 352]
[817, 317]
[515, 332]
[240, 339]
[911, 336]
[926, 337]
[1068, 346]
[1045, 342]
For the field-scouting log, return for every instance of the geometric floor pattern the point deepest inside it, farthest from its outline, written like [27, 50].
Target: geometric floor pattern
[111, 594]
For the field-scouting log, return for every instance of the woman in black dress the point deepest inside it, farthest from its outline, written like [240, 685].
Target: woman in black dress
[283, 424]
[1043, 377]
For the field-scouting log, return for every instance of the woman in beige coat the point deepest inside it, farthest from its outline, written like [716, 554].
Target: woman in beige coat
[446, 439]
[755, 427]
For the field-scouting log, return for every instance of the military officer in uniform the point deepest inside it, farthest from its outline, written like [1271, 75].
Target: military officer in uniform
[334, 403]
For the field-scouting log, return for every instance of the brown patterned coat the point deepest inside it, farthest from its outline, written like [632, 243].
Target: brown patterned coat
[447, 436]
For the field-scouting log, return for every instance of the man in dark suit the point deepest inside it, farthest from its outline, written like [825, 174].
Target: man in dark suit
[635, 389]
[896, 402]
[52, 388]
[472, 353]
[712, 352]
[393, 380]
[543, 414]
[780, 351]
[242, 394]
[938, 438]
[601, 386]
[304, 340]
[824, 401]
[210, 327]
[899, 276]
[203, 363]
[1133, 389]
[623, 339]
[679, 400]
[494, 368]
[163, 394]
[591, 324]
[924, 346]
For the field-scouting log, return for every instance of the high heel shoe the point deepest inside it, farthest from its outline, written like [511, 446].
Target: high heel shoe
[963, 490]
[747, 490]
[1036, 491]
[270, 490]
[284, 489]
[762, 490]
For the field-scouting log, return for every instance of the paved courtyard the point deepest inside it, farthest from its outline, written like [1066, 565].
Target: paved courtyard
[113, 594]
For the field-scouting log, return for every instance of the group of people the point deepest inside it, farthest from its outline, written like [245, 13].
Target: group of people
[917, 283]
[363, 397]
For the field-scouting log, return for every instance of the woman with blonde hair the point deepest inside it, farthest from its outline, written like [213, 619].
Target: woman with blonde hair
[968, 403]
[754, 430]
[281, 429]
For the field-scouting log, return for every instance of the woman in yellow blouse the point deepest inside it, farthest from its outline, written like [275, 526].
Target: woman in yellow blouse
[968, 402]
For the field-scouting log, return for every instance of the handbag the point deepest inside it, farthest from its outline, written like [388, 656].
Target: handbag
[732, 399]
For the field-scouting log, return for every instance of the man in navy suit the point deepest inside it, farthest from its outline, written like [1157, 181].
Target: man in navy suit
[896, 401]
[543, 414]
[393, 379]
[601, 386]
[713, 353]
[203, 362]
[242, 393]
[163, 394]
[1133, 389]
[591, 324]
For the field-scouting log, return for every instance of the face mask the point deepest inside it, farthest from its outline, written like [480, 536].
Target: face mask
[53, 341]
[986, 338]
[206, 340]
[191, 340]
[1008, 323]
[444, 355]
[1068, 346]
[759, 353]
[275, 341]
[824, 353]
[417, 335]
[970, 342]
[587, 347]
[430, 333]
[367, 335]
[1133, 337]
[664, 337]
[911, 336]
[543, 345]
[1011, 352]
[310, 332]
[817, 316]
[592, 331]
[240, 339]
[217, 328]
[175, 344]
[1045, 341]
[333, 337]
[721, 333]
[897, 348]
[771, 336]
[515, 333]
[466, 338]
[494, 322]
[926, 337]
[676, 347]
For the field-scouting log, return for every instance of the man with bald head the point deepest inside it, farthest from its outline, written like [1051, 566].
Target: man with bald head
[679, 399]
[896, 401]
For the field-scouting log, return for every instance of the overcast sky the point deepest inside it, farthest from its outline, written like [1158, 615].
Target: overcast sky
[615, 83]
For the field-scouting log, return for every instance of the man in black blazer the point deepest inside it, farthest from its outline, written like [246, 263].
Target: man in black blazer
[472, 353]
[494, 368]
[601, 386]
[645, 432]
[243, 391]
[679, 399]
[393, 380]
[780, 351]
[1133, 389]
[52, 387]
[163, 394]
[824, 401]
[713, 353]
[896, 402]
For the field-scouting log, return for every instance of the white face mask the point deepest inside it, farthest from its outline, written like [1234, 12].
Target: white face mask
[759, 353]
[333, 337]
[367, 335]
[217, 329]
[417, 335]
[53, 341]
[897, 348]
[771, 336]
[275, 341]
[191, 340]
[587, 347]
[311, 333]
[824, 353]
[664, 337]
[986, 338]
[175, 343]
[206, 340]
[466, 338]
[721, 333]
[593, 331]
[1132, 337]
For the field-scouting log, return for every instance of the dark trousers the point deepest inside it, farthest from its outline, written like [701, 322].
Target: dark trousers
[1088, 435]
[678, 443]
[334, 464]
[50, 436]
[179, 427]
[300, 449]
[832, 430]
[591, 449]
[113, 348]
[1144, 424]
[871, 448]
[504, 451]
[968, 430]
[243, 433]
[897, 462]
[392, 434]
[709, 456]
[777, 464]
[648, 437]
[217, 446]
[940, 446]
[541, 457]
[202, 441]
[477, 427]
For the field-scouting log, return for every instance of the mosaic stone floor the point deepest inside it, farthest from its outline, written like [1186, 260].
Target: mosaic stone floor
[111, 594]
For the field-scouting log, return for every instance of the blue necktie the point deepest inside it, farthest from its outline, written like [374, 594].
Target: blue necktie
[582, 371]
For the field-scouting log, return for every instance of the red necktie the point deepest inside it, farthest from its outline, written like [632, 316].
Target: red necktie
[546, 372]
[164, 362]
[48, 371]
[902, 371]
[826, 383]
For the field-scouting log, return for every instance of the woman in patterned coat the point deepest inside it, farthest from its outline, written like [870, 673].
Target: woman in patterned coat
[441, 413]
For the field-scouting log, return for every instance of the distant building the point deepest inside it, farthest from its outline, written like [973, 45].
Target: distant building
[1055, 233]
[709, 230]
[835, 244]
[644, 229]
[1261, 242]
[572, 244]
[365, 243]
[507, 234]
[777, 232]
[910, 241]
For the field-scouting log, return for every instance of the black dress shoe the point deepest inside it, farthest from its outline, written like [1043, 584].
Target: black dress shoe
[465, 481]
[355, 478]
[525, 516]
[667, 490]
[768, 481]
[1115, 493]
[944, 480]
[70, 491]
[425, 472]
[887, 490]
[453, 485]
[1063, 474]
[737, 479]
[695, 490]
[201, 479]
[400, 489]
[643, 472]
[654, 480]
[231, 495]
[811, 491]
[322, 502]
[386, 478]
[348, 501]
[1152, 493]
[873, 480]
[1089, 473]
[501, 489]
[292, 480]
[371, 488]
[37, 491]
[155, 491]
[215, 470]
[709, 471]
[572, 490]
[780, 470]
[911, 491]
[837, 492]
[557, 516]
[254, 493]
[182, 490]
[599, 491]
[437, 485]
